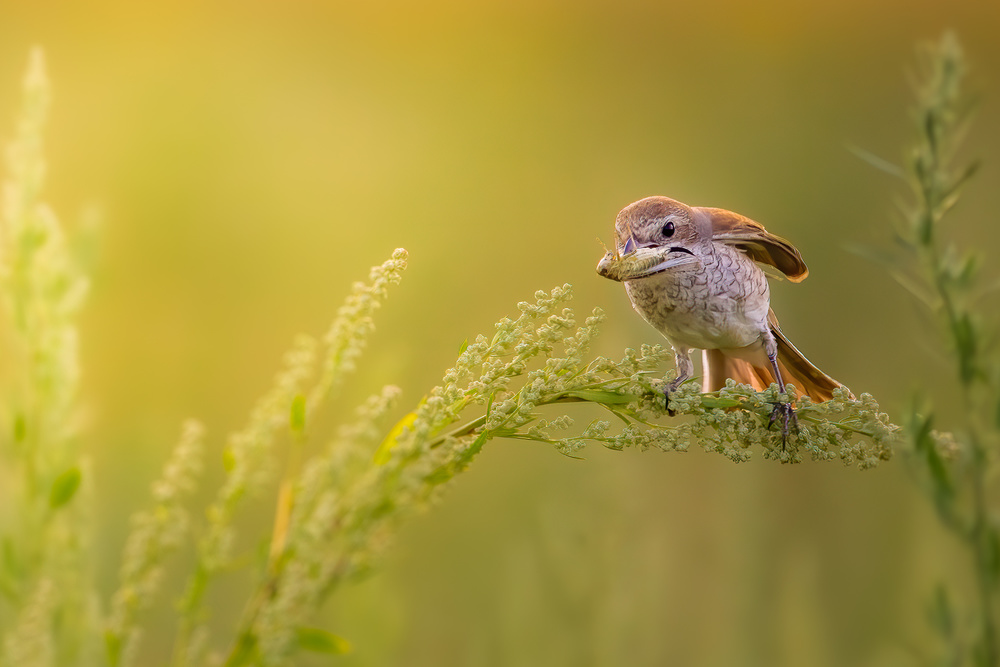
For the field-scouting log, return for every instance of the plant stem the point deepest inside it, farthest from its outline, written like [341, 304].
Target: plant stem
[939, 111]
[982, 537]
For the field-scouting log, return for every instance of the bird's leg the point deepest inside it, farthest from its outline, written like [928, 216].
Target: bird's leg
[685, 369]
[784, 411]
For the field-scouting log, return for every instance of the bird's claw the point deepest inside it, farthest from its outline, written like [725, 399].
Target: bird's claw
[667, 390]
[786, 413]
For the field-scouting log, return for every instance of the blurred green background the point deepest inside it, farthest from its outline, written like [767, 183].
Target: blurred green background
[251, 159]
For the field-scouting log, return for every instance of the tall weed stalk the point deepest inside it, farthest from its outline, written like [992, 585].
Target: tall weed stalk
[44, 531]
[954, 469]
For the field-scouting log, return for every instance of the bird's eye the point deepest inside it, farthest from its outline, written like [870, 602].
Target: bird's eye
[668, 230]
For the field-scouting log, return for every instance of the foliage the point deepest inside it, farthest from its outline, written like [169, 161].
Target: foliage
[337, 505]
[44, 581]
[953, 468]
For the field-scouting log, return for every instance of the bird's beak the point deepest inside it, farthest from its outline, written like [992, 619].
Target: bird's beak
[630, 245]
[643, 261]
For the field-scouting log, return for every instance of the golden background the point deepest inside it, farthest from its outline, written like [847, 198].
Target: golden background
[251, 159]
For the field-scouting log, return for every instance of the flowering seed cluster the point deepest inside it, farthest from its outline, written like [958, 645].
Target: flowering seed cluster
[155, 534]
[45, 604]
[311, 370]
[539, 359]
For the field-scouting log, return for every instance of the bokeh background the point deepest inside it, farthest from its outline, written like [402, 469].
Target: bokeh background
[251, 159]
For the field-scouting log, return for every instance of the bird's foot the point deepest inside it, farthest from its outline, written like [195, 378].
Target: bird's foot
[668, 389]
[785, 413]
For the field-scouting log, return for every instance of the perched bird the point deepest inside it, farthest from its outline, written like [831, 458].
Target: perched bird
[693, 274]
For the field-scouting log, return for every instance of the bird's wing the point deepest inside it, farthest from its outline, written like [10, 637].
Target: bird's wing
[762, 246]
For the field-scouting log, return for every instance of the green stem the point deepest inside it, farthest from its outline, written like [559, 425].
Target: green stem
[981, 539]
[935, 186]
[190, 607]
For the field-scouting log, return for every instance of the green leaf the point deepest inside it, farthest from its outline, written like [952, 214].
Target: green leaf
[920, 428]
[113, 646]
[384, 451]
[914, 287]
[64, 487]
[10, 561]
[297, 418]
[942, 617]
[245, 652]
[712, 402]
[20, 428]
[992, 548]
[950, 195]
[969, 269]
[321, 641]
[600, 396]
[877, 162]
[964, 332]
[228, 459]
[464, 346]
[462, 460]
[924, 445]
[925, 228]
[939, 473]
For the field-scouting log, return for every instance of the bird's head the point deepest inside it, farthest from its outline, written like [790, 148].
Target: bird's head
[658, 222]
[653, 235]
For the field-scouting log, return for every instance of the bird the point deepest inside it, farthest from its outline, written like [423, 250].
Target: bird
[695, 274]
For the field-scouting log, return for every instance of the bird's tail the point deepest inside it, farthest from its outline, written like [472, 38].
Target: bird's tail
[795, 369]
[799, 371]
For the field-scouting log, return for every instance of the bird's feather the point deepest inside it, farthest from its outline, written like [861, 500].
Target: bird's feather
[759, 244]
[794, 367]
